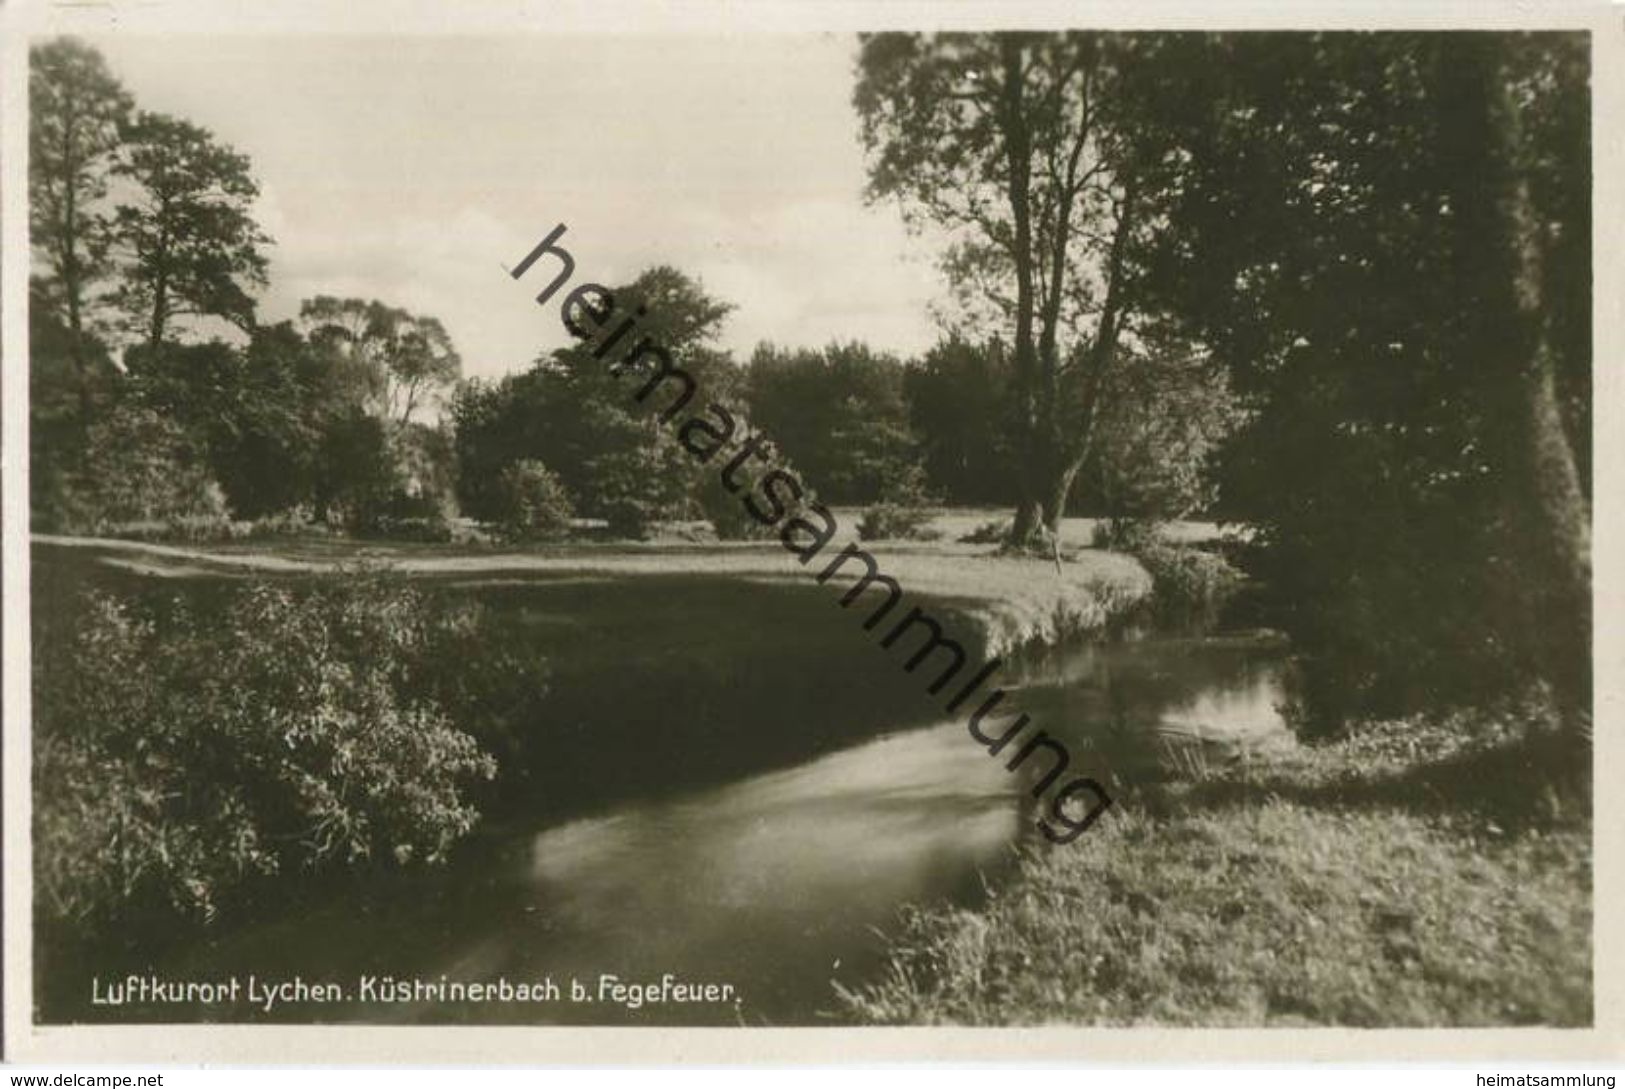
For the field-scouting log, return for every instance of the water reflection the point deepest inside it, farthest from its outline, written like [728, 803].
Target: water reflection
[1148, 709]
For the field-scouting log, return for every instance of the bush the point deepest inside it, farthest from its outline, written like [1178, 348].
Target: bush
[996, 532]
[139, 477]
[293, 522]
[292, 732]
[1124, 534]
[728, 516]
[531, 502]
[1189, 586]
[897, 522]
[726, 510]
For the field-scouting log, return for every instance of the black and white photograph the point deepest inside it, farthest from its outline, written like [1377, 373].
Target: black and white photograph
[1017, 523]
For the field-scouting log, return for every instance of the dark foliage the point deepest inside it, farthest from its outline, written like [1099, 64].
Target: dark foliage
[1387, 462]
[841, 416]
[895, 522]
[957, 400]
[533, 503]
[188, 752]
[616, 458]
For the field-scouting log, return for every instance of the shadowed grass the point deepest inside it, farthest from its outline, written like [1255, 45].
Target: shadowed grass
[1010, 601]
[1407, 877]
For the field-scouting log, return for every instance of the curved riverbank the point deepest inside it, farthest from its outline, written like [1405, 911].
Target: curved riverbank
[1013, 601]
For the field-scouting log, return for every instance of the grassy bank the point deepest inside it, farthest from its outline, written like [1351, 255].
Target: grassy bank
[1013, 600]
[1410, 876]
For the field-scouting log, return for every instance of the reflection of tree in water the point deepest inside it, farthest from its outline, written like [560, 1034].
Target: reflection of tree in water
[1145, 711]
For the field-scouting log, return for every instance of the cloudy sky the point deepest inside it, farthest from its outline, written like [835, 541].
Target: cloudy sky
[414, 170]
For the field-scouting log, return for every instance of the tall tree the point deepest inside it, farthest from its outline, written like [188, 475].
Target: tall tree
[576, 415]
[1015, 144]
[1495, 97]
[76, 109]
[407, 361]
[188, 234]
[1414, 464]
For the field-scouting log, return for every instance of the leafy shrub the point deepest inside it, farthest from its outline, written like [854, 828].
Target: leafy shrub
[531, 502]
[726, 511]
[184, 754]
[897, 522]
[292, 522]
[728, 516]
[995, 532]
[139, 477]
[1124, 534]
[1189, 586]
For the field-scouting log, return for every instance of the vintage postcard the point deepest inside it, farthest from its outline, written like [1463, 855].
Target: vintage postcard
[936, 531]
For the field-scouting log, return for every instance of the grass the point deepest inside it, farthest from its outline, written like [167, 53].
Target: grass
[1011, 599]
[1410, 876]
[1076, 533]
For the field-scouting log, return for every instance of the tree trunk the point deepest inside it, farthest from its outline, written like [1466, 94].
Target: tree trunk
[1544, 509]
[160, 314]
[1018, 164]
[1060, 490]
[1029, 516]
[1043, 502]
[1546, 505]
[1556, 520]
[71, 287]
[72, 282]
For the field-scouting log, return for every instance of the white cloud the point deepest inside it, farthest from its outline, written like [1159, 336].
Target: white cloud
[414, 171]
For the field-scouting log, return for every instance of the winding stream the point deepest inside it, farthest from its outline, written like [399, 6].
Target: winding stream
[786, 798]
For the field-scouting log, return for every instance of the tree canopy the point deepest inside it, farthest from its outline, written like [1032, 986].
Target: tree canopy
[77, 113]
[841, 415]
[402, 361]
[190, 243]
[1020, 146]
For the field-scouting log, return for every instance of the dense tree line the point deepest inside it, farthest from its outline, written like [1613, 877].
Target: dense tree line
[863, 427]
[1380, 241]
[158, 399]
